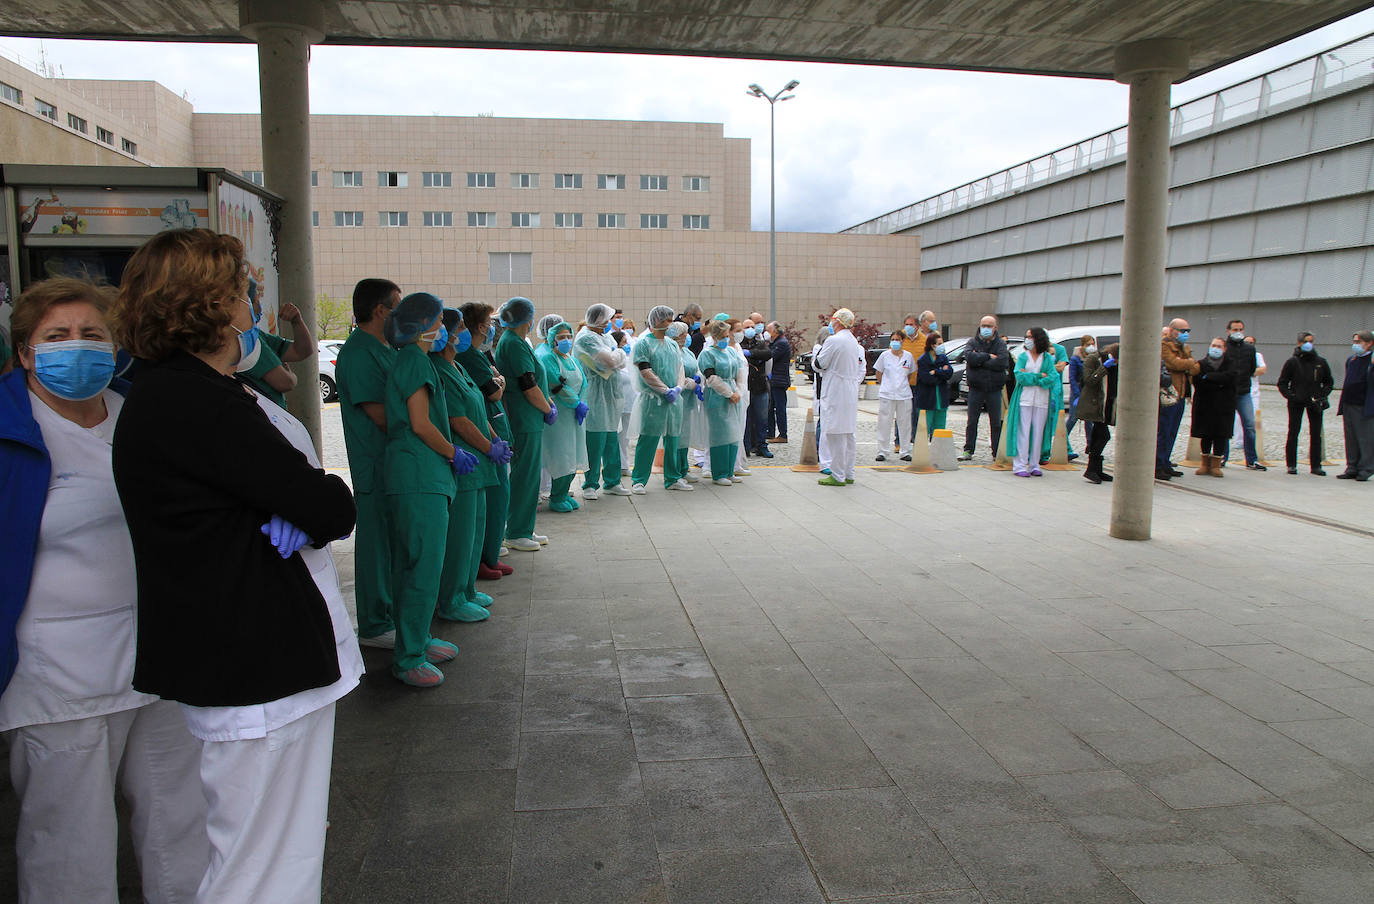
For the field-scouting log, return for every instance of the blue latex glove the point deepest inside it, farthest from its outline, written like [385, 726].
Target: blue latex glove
[580, 412]
[285, 536]
[1110, 362]
[673, 394]
[701, 396]
[697, 378]
[500, 451]
[463, 461]
[552, 415]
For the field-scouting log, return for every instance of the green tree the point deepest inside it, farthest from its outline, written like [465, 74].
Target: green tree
[333, 316]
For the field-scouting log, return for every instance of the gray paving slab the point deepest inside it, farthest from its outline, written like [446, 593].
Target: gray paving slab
[574, 769]
[741, 875]
[685, 727]
[666, 672]
[1233, 884]
[1034, 862]
[814, 753]
[712, 804]
[586, 856]
[777, 692]
[573, 703]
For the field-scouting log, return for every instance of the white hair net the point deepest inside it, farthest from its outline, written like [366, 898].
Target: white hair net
[660, 315]
[598, 315]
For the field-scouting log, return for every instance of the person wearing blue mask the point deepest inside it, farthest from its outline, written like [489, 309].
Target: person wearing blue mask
[657, 416]
[602, 363]
[1357, 408]
[565, 440]
[1305, 382]
[1214, 406]
[459, 598]
[722, 373]
[78, 733]
[694, 316]
[758, 352]
[1245, 362]
[894, 368]
[692, 433]
[530, 410]
[479, 364]
[933, 373]
[1178, 367]
[985, 369]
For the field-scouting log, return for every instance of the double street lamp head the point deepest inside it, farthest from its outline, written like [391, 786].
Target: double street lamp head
[757, 91]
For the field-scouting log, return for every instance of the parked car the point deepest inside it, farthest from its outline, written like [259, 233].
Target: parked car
[1067, 336]
[329, 356]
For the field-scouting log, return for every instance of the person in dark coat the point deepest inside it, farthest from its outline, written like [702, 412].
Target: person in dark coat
[986, 365]
[1357, 408]
[933, 373]
[1214, 406]
[1305, 382]
[1097, 405]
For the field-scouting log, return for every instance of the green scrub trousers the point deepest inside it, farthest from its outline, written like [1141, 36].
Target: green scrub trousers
[467, 518]
[603, 457]
[498, 504]
[419, 528]
[679, 460]
[935, 420]
[674, 460]
[645, 447]
[723, 460]
[372, 565]
[524, 484]
[561, 488]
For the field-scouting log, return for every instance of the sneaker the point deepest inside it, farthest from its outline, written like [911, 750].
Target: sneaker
[1073, 456]
[723, 482]
[590, 493]
[524, 544]
[540, 539]
[441, 650]
[691, 478]
[464, 612]
[504, 568]
[486, 573]
[848, 480]
[830, 481]
[966, 456]
[734, 480]
[505, 551]
[639, 490]
[424, 675]
[906, 457]
[680, 485]
[1255, 466]
[881, 456]
[385, 641]
[617, 490]
[742, 472]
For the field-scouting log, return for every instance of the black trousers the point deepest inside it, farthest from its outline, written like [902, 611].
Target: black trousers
[1099, 434]
[1314, 430]
[1215, 445]
[980, 400]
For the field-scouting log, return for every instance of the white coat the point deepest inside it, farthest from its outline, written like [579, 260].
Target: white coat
[842, 366]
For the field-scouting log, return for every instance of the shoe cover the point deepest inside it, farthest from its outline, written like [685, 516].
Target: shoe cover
[441, 650]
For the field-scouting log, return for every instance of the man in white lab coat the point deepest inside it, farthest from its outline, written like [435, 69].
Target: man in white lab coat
[842, 365]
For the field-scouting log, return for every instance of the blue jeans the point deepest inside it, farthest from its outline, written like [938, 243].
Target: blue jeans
[1170, 419]
[1245, 407]
[777, 412]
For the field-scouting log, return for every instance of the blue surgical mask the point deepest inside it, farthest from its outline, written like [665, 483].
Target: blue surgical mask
[1238, 337]
[440, 340]
[1213, 352]
[609, 328]
[249, 347]
[767, 336]
[909, 330]
[1184, 336]
[722, 343]
[933, 328]
[749, 333]
[985, 332]
[696, 326]
[895, 345]
[75, 369]
[619, 322]
[491, 333]
[1307, 346]
[463, 342]
[1357, 348]
[831, 328]
[565, 345]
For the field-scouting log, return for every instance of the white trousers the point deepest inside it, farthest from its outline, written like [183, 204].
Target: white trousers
[65, 774]
[839, 455]
[625, 459]
[1030, 433]
[269, 801]
[901, 410]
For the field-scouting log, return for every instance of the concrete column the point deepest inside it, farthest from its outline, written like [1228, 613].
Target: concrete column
[284, 31]
[1149, 67]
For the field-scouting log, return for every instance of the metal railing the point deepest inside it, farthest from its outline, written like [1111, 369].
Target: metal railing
[1292, 85]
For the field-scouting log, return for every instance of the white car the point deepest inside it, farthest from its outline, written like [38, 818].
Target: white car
[329, 355]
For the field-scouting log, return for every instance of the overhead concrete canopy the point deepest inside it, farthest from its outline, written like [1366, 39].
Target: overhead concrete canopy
[1048, 37]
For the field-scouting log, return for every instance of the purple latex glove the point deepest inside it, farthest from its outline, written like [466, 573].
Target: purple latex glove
[285, 536]
[580, 412]
[552, 415]
[672, 394]
[500, 451]
[463, 461]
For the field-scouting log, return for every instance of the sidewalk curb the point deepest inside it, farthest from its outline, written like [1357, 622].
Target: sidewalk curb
[1271, 509]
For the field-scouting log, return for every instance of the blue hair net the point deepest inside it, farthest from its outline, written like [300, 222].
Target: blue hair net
[416, 313]
[519, 310]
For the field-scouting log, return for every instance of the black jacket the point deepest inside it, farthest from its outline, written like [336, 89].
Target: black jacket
[696, 339]
[782, 363]
[758, 353]
[1240, 356]
[1214, 399]
[980, 368]
[223, 620]
[1305, 378]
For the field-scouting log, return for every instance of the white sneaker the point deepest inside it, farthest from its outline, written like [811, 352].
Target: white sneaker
[691, 478]
[737, 480]
[639, 489]
[724, 482]
[743, 472]
[589, 493]
[680, 485]
[385, 641]
[617, 490]
[540, 538]
[880, 457]
[544, 497]
[524, 544]
[505, 551]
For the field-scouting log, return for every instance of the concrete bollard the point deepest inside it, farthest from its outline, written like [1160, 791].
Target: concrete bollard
[1259, 437]
[809, 460]
[942, 454]
[1193, 457]
[1059, 447]
[1002, 461]
[791, 398]
[920, 449]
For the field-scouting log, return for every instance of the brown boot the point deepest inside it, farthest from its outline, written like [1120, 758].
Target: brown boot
[1206, 467]
[1216, 466]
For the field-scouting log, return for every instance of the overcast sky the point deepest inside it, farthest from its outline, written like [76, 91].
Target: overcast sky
[856, 142]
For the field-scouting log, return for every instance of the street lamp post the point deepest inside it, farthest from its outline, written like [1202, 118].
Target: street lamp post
[756, 91]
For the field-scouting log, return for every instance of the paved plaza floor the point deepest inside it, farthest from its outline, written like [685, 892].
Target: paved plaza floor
[922, 689]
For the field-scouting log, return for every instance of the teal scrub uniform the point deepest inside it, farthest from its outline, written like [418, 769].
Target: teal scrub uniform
[515, 358]
[654, 417]
[419, 488]
[468, 513]
[605, 403]
[565, 441]
[269, 359]
[692, 411]
[724, 419]
[478, 367]
[363, 365]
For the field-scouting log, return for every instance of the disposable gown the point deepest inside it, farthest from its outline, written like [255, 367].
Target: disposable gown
[694, 434]
[653, 414]
[724, 420]
[565, 440]
[601, 365]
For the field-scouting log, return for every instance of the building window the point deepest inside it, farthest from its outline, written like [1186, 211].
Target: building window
[653, 221]
[481, 180]
[567, 220]
[253, 175]
[610, 182]
[314, 178]
[104, 134]
[696, 221]
[696, 183]
[437, 180]
[76, 122]
[348, 218]
[524, 180]
[314, 218]
[11, 93]
[45, 109]
[610, 221]
[348, 179]
[481, 218]
[653, 183]
[392, 218]
[128, 146]
[567, 180]
[392, 179]
[524, 220]
[438, 218]
[509, 267]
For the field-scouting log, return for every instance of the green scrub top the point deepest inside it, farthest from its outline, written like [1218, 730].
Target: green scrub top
[411, 466]
[268, 360]
[361, 372]
[656, 415]
[513, 358]
[478, 367]
[464, 399]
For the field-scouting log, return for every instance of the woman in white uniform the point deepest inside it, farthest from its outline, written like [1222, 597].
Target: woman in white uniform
[76, 728]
